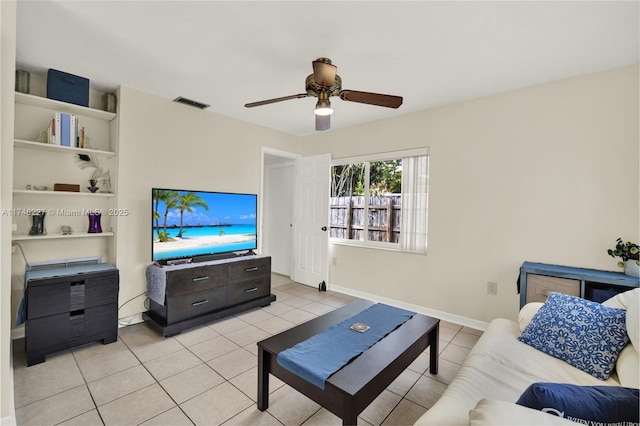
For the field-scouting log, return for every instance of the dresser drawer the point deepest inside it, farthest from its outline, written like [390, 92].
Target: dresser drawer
[539, 287]
[249, 270]
[65, 328]
[248, 290]
[71, 293]
[189, 280]
[191, 305]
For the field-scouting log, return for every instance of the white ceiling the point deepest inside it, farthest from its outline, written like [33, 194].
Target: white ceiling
[228, 53]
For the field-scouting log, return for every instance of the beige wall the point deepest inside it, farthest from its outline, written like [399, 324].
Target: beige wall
[7, 73]
[546, 174]
[168, 145]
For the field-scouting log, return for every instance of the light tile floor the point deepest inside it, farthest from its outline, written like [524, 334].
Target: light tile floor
[208, 375]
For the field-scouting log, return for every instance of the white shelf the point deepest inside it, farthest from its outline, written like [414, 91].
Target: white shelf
[38, 101]
[20, 143]
[65, 193]
[25, 237]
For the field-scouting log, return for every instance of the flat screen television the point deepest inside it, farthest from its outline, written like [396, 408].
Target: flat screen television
[202, 225]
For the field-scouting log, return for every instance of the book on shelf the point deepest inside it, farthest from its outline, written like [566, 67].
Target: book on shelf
[65, 129]
[81, 137]
[56, 129]
[73, 138]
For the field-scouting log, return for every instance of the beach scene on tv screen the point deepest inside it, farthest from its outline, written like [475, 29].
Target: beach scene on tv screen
[192, 223]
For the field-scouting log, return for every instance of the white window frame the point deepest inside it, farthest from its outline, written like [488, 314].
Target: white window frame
[392, 155]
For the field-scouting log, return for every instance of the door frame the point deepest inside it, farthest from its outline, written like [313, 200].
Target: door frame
[264, 152]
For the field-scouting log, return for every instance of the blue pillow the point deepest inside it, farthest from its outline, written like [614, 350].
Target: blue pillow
[583, 333]
[600, 405]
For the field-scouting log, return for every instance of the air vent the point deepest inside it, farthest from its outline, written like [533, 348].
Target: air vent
[190, 102]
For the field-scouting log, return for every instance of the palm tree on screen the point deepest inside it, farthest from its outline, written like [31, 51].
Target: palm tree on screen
[170, 199]
[187, 202]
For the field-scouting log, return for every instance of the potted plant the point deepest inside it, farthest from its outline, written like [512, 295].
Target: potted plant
[630, 254]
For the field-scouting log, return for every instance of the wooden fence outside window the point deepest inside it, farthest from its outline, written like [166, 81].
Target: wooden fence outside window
[347, 218]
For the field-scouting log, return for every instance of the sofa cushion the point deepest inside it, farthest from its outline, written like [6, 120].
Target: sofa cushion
[628, 367]
[527, 312]
[584, 404]
[583, 333]
[633, 317]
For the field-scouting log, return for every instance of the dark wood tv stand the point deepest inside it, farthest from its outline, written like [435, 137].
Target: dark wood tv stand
[197, 293]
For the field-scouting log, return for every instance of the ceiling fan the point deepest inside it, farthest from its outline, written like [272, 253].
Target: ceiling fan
[324, 83]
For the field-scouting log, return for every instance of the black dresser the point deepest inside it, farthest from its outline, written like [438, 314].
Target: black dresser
[70, 306]
[184, 296]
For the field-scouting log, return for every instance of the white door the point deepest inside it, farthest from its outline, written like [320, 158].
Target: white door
[311, 220]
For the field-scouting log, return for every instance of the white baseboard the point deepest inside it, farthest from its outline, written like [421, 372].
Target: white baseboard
[133, 319]
[445, 316]
[7, 421]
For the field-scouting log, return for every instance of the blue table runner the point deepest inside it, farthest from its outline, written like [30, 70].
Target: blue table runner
[318, 357]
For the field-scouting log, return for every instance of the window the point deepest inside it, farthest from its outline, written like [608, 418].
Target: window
[381, 201]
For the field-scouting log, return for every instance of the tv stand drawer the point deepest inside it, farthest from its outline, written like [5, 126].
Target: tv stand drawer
[248, 290]
[189, 280]
[194, 304]
[251, 269]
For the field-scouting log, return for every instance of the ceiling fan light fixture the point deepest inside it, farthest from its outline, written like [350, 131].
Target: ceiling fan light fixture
[324, 108]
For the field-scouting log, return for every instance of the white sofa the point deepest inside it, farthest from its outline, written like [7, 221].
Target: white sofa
[499, 368]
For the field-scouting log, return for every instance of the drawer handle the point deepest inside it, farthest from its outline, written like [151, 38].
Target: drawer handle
[251, 290]
[543, 291]
[255, 268]
[202, 302]
[200, 279]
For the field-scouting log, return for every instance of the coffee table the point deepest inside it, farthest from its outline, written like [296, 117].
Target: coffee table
[351, 389]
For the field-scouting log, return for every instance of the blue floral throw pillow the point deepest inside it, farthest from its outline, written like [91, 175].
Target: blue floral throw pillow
[583, 333]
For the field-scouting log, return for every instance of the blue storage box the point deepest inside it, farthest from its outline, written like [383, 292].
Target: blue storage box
[66, 87]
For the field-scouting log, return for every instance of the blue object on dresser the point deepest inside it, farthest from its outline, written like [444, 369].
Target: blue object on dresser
[66, 87]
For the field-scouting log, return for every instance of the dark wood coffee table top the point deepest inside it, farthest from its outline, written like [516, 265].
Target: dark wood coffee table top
[352, 388]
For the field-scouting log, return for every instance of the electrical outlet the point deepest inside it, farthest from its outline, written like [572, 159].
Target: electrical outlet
[492, 288]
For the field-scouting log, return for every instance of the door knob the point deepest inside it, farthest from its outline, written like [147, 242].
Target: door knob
[324, 228]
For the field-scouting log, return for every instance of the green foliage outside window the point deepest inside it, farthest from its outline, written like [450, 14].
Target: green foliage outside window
[385, 177]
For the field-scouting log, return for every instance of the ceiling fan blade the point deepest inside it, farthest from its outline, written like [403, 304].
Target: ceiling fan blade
[274, 100]
[378, 99]
[324, 73]
[323, 122]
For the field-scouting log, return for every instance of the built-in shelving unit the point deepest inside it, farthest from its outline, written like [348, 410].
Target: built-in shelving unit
[39, 165]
